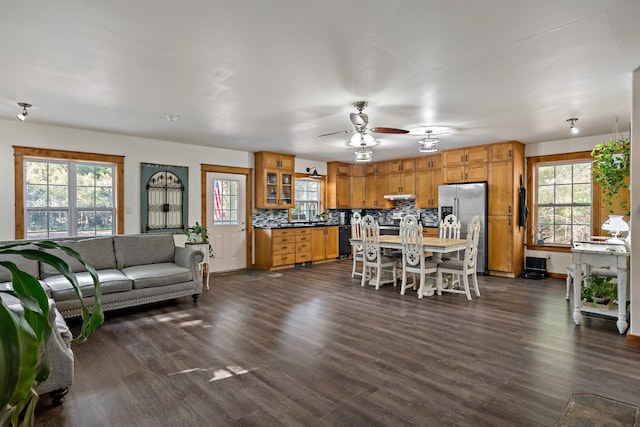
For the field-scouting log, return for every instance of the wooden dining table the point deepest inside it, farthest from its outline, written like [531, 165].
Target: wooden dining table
[436, 245]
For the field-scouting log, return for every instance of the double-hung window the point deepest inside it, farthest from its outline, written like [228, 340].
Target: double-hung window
[562, 199]
[67, 194]
[307, 201]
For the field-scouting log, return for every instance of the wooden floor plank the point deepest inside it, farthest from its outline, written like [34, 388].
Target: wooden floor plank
[310, 347]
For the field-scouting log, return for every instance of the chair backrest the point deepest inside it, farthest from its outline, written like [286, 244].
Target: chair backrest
[449, 227]
[412, 249]
[356, 230]
[370, 238]
[408, 220]
[471, 249]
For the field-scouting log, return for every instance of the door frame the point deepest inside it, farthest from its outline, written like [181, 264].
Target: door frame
[248, 173]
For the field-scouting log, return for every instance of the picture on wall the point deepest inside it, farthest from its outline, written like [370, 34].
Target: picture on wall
[164, 192]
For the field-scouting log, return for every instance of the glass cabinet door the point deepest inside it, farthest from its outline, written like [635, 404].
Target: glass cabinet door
[287, 189]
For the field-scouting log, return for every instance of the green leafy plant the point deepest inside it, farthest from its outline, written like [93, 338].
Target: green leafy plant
[23, 335]
[610, 169]
[599, 289]
[197, 232]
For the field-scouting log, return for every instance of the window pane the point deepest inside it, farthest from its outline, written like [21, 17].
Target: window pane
[546, 175]
[36, 196]
[563, 194]
[582, 193]
[104, 197]
[85, 176]
[86, 197]
[37, 225]
[545, 194]
[58, 196]
[58, 224]
[58, 174]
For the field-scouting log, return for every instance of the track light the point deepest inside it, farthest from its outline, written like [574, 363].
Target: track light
[428, 144]
[24, 113]
[572, 125]
[313, 173]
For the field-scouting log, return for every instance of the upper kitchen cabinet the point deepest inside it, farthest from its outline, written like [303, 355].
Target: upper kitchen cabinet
[401, 176]
[274, 180]
[376, 186]
[465, 164]
[428, 179]
[338, 185]
[357, 186]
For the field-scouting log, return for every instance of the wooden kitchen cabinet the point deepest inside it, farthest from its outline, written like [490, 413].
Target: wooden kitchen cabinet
[428, 179]
[401, 176]
[357, 188]
[465, 164]
[505, 236]
[282, 248]
[376, 186]
[338, 185]
[324, 243]
[274, 180]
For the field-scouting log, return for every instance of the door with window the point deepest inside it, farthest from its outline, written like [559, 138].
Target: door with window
[226, 221]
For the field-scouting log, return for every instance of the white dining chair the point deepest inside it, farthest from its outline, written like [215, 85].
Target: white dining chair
[414, 259]
[465, 267]
[373, 260]
[357, 251]
[450, 229]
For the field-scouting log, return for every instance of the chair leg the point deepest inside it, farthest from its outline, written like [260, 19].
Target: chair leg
[475, 284]
[364, 274]
[568, 286]
[353, 270]
[466, 286]
[403, 286]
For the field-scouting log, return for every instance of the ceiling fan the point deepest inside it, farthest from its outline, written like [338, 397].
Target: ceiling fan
[360, 122]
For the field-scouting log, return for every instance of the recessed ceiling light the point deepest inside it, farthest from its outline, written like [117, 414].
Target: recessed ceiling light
[172, 118]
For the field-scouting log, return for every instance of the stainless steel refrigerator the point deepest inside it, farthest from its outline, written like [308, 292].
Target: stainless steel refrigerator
[465, 201]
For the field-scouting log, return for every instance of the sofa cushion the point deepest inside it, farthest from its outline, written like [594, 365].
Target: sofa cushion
[142, 249]
[163, 274]
[110, 281]
[97, 252]
[27, 265]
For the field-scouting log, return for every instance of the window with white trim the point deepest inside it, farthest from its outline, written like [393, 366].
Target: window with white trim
[563, 202]
[65, 198]
[307, 200]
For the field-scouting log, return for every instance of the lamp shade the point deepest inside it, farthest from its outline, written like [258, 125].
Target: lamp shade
[615, 225]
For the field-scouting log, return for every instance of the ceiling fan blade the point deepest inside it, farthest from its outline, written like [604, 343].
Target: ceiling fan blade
[359, 119]
[389, 130]
[335, 133]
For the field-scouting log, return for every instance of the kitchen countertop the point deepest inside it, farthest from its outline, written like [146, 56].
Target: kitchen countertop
[296, 225]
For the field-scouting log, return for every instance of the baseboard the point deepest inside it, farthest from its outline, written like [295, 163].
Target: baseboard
[557, 275]
[633, 340]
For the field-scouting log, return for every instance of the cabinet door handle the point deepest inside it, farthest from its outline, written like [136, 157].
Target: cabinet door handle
[462, 159]
[509, 221]
[510, 155]
[509, 208]
[466, 157]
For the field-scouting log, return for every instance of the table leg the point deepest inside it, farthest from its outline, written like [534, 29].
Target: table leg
[622, 300]
[577, 290]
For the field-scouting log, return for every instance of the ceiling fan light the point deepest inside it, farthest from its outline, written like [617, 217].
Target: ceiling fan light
[362, 140]
[428, 144]
[363, 155]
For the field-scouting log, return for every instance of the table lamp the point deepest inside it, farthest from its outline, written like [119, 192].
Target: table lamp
[615, 225]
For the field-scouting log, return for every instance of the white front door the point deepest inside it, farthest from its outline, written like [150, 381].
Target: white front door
[226, 221]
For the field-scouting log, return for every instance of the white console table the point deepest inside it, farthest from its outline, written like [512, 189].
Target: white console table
[204, 265]
[598, 254]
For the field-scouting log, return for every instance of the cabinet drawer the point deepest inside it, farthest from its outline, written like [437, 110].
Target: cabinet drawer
[303, 246]
[284, 259]
[303, 237]
[283, 239]
[284, 248]
[283, 233]
[303, 256]
[303, 232]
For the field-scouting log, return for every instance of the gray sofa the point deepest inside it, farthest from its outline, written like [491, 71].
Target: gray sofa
[133, 270]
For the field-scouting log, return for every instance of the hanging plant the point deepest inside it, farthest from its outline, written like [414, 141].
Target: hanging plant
[610, 169]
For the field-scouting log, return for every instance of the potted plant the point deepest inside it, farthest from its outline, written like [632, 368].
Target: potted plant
[197, 234]
[23, 335]
[611, 170]
[599, 292]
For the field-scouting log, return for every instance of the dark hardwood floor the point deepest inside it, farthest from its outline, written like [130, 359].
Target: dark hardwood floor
[309, 347]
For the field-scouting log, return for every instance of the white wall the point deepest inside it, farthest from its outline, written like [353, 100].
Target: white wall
[557, 261]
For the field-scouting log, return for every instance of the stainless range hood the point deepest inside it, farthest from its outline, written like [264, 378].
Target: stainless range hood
[400, 196]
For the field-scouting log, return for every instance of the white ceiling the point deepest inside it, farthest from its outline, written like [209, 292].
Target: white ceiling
[273, 75]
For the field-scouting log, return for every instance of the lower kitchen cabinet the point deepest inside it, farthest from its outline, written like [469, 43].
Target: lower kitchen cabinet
[324, 243]
[282, 248]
